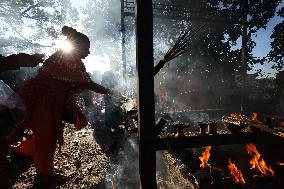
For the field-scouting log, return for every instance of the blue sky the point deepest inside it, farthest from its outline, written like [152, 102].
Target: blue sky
[263, 40]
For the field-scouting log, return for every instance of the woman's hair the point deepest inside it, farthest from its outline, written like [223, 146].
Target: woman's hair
[74, 36]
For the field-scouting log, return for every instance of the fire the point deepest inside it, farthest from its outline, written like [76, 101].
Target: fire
[254, 117]
[205, 157]
[236, 119]
[236, 173]
[281, 164]
[257, 161]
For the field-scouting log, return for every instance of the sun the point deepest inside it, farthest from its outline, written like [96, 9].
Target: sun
[64, 44]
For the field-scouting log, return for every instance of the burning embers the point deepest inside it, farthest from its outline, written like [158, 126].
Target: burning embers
[205, 157]
[257, 161]
[254, 117]
[236, 173]
[235, 122]
[180, 126]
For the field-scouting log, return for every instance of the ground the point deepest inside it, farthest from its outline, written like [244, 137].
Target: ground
[86, 159]
[85, 162]
[80, 158]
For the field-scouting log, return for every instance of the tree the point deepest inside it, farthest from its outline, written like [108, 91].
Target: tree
[31, 26]
[32, 23]
[212, 63]
[277, 47]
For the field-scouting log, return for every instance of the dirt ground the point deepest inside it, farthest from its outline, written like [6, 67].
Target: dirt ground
[85, 160]
[80, 158]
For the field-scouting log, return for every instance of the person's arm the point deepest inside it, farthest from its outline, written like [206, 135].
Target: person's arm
[16, 61]
[99, 89]
[94, 87]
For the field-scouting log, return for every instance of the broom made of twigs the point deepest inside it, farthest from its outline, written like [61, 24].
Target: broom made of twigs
[178, 48]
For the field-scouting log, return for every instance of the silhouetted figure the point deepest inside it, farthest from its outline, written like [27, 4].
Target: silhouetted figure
[58, 81]
[16, 61]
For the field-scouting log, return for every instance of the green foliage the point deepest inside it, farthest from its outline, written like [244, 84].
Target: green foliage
[277, 47]
[212, 66]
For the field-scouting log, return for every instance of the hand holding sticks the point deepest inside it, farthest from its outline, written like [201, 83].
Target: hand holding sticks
[178, 49]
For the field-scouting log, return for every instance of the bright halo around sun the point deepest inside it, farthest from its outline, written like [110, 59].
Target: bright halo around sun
[64, 44]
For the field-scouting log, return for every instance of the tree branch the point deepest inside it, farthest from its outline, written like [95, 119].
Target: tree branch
[36, 44]
[30, 7]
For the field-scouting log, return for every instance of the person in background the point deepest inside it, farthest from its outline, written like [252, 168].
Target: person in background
[48, 94]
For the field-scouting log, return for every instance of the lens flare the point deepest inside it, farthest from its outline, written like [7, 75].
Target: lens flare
[65, 45]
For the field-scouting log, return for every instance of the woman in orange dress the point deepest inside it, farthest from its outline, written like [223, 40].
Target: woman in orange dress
[47, 95]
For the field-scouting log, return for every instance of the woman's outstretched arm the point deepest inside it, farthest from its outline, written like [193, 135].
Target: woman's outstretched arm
[94, 87]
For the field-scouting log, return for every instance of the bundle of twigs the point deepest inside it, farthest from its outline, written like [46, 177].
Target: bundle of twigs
[178, 48]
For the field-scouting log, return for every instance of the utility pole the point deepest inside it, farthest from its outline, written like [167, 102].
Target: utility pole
[146, 103]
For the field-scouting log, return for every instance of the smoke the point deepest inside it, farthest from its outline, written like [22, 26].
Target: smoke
[186, 83]
[124, 170]
[100, 20]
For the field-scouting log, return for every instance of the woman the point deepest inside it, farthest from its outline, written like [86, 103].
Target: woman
[47, 95]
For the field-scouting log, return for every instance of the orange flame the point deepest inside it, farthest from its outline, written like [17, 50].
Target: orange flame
[281, 164]
[254, 116]
[236, 173]
[205, 157]
[257, 161]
